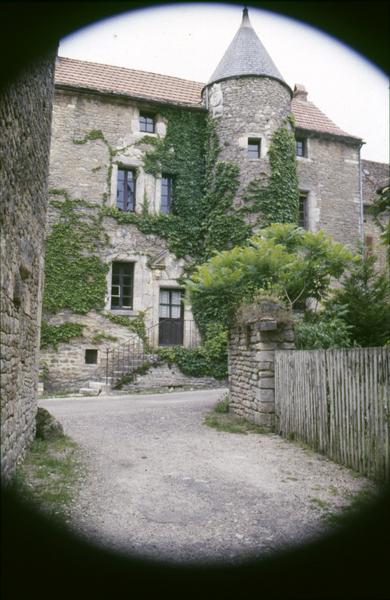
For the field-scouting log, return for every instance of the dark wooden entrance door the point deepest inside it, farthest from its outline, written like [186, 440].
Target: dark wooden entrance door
[171, 318]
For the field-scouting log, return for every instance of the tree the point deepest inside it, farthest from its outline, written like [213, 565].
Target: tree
[380, 210]
[293, 263]
[365, 298]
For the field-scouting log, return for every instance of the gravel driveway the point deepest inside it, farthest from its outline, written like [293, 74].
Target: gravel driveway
[163, 485]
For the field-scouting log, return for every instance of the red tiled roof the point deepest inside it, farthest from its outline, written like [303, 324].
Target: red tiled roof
[118, 80]
[308, 116]
[167, 89]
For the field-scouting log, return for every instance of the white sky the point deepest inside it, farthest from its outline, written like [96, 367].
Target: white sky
[188, 41]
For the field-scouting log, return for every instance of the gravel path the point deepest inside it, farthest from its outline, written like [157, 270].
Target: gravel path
[163, 485]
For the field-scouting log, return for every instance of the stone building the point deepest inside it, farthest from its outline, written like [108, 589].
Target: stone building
[25, 118]
[116, 148]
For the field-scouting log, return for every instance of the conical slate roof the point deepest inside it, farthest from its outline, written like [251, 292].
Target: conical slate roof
[246, 55]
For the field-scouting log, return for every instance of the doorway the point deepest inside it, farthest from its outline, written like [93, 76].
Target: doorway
[171, 318]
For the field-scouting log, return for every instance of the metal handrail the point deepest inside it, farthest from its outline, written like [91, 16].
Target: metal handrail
[124, 358]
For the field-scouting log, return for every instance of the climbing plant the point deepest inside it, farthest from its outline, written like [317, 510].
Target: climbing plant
[278, 200]
[52, 335]
[75, 276]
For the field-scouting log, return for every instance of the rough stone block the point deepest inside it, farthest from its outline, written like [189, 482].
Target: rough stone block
[266, 382]
[265, 395]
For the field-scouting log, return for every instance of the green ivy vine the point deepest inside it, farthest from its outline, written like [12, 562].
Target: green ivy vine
[134, 324]
[277, 201]
[75, 276]
[203, 220]
[52, 335]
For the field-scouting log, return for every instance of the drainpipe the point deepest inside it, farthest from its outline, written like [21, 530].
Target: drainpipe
[361, 210]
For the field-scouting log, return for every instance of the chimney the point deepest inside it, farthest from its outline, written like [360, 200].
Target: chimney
[300, 92]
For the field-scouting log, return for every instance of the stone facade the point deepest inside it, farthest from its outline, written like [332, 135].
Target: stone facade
[87, 169]
[247, 108]
[252, 344]
[96, 134]
[25, 117]
[329, 175]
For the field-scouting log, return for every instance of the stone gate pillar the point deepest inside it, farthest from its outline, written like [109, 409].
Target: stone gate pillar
[259, 330]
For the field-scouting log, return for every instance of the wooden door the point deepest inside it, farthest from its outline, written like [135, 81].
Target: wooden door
[171, 318]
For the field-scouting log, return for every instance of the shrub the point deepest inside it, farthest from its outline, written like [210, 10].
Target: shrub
[322, 330]
[365, 296]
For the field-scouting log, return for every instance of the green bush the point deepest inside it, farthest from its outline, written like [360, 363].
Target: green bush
[298, 263]
[323, 330]
[365, 297]
[207, 360]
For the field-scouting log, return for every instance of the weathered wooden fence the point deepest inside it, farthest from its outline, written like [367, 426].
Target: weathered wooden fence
[337, 401]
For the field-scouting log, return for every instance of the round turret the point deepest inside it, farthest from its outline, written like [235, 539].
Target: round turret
[249, 100]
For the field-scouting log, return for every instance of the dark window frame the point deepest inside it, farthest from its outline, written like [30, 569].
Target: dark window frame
[122, 279]
[147, 122]
[91, 353]
[170, 304]
[254, 148]
[301, 147]
[167, 186]
[127, 188]
[303, 217]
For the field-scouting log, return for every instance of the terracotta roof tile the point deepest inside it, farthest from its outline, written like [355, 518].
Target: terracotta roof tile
[308, 116]
[170, 90]
[120, 80]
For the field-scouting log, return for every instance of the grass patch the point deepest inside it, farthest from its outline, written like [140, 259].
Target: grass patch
[232, 424]
[323, 504]
[222, 405]
[50, 475]
[64, 394]
[359, 502]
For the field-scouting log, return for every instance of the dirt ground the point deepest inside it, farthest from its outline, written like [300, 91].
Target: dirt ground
[163, 485]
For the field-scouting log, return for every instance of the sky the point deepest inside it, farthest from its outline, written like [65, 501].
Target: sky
[188, 41]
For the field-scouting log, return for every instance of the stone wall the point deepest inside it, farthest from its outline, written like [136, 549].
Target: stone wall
[249, 107]
[169, 377]
[25, 118]
[260, 331]
[330, 176]
[87, 169]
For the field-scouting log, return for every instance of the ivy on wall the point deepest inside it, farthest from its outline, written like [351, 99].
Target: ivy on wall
[278, 200]
[52, 335]
[134, 324]
[223, 227]
[75, 277]
[203, 217]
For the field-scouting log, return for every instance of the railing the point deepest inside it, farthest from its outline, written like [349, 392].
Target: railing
[126, 358]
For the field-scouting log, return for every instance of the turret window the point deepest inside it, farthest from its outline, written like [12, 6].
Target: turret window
[254, 148]
[147, 122]
[301, 147]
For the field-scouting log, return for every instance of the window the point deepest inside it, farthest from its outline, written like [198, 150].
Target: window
[369, 243]
[166, 194]
[300, 147]
[171, 304]
[91, 357]
[125, 192]
[303, 220]
[122, 285]
[147, 122]
[254, 148]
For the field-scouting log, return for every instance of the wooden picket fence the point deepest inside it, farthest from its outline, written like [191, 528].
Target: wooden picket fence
[337, 402]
